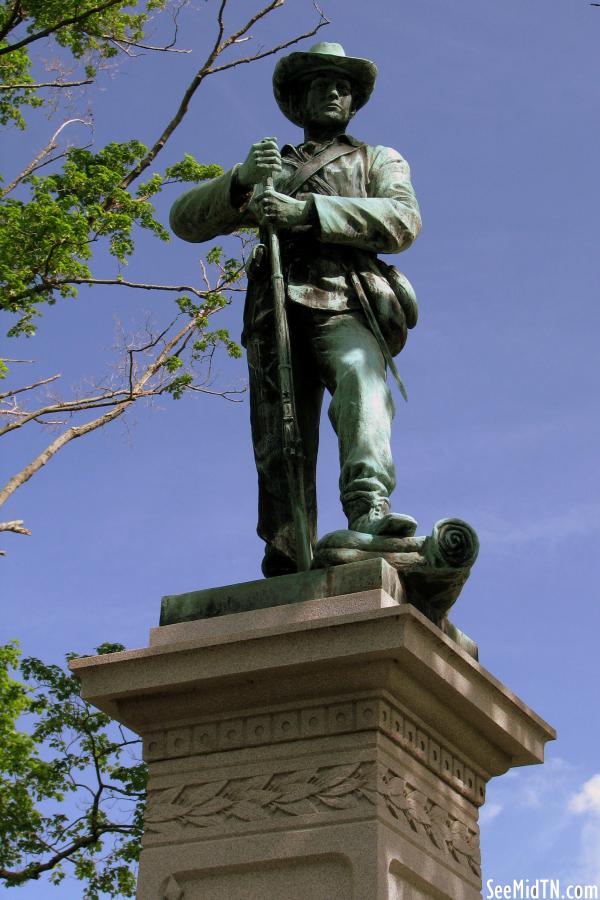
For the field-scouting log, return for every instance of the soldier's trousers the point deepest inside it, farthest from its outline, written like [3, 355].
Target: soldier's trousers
[337, 351]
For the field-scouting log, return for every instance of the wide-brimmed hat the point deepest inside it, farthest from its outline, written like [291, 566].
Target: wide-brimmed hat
[322, 57]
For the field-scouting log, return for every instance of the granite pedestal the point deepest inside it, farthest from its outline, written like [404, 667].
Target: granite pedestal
[334, 748]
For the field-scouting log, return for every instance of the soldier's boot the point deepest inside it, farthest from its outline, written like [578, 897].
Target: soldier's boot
[377, 519]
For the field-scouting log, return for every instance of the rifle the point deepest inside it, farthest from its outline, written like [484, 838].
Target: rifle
[292, 442]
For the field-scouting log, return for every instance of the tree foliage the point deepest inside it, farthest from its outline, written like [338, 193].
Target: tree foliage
[85, 28]
[46, 242]
[51, 231]
[73, 215]
[72, 784]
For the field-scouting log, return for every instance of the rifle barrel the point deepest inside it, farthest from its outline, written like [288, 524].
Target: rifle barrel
[292, 444]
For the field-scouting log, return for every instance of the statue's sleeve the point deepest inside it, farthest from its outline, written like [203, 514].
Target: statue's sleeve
[206, 211]
[387, 220]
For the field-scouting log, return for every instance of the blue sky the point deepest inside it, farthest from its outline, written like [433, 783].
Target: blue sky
[495, 106]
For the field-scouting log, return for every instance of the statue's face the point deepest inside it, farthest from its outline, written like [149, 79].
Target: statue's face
[327, 100]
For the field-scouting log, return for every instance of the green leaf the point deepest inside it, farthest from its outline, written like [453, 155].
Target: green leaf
[46, 242]
[179, 385]
[172, 363]
[214, 255]
[213, 339]
[189, 169]
[51, 742]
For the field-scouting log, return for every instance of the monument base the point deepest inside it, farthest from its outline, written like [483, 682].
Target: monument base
[333, 748]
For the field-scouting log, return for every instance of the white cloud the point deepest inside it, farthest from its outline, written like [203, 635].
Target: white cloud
[489, 812]
[544, 785]
[549, 827]
[586, 803]
[555, 528]
[587, 800]
[589, 859]
[521, 838]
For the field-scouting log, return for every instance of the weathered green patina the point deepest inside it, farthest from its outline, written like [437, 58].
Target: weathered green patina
[336, 203]
[368, 574]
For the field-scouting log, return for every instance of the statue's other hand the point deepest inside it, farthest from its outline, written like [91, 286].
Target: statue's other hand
[280, 210]
[263, 159]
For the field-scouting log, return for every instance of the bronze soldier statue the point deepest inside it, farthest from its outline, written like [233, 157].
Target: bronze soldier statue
[335, 203]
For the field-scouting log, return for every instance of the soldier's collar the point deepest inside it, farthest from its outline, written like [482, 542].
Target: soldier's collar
[291, 150]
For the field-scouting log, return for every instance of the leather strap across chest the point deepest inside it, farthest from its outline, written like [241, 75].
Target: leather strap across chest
[313, 165]
[302, 174]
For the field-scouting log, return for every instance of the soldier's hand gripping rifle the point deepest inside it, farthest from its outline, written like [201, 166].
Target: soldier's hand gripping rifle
[292, 443]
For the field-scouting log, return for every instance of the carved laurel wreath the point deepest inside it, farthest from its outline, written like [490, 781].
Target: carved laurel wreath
[423, 815]
[309, 792]
[251, 799]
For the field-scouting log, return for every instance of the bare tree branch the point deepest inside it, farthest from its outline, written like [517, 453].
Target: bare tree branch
[275, 4]
[115, 400]
[45, 84]
[178, 288]
[52, 159]
[218, 48]
[238, 36]
[273, 50]
[35, 163]
[47, 284]
[16, 526]
[221, 24]
[113, 396]
[225, 395]
[100, 401]
[122, 41]
[117, 396]
[16, 16]
[34, 870]
[29, 387]
[121, 401]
